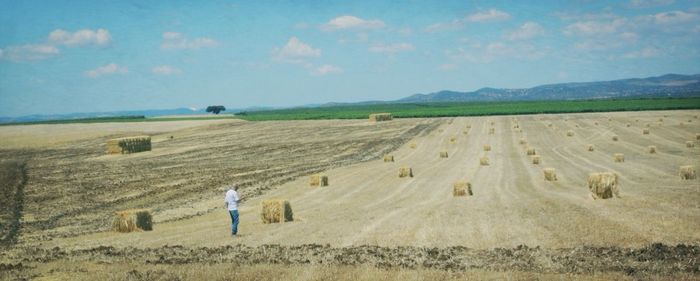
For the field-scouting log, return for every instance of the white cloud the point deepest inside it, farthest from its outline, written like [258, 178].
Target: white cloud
[594, 28]
[99, 37]
[326, 69]
[643, 53]
[526, 31]
[295, 51]
[108, 69]
[359, 38]
[29, 52]
[648, 3]
[489, 16]
[480, 53]
[175, 41]
[351, 22]
[674, 17]
[444, 26]
[165, 70]
[391, 48]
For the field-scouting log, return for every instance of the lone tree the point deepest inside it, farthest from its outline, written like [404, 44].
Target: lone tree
[216, 109]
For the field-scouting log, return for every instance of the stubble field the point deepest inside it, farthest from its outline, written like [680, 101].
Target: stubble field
[367, 217]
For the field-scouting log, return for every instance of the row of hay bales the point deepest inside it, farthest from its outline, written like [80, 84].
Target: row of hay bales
[129, 145]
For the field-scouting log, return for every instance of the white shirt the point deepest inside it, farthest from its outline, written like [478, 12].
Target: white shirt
[231, 199]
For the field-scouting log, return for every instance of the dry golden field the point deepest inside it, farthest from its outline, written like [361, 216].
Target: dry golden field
[368, 223]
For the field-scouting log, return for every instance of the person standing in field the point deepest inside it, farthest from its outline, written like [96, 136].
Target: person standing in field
[231, 201]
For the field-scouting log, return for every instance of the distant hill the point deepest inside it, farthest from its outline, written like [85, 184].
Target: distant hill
[670, 85]
[83, 115]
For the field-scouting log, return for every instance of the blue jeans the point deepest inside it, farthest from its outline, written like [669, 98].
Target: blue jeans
[234, 221]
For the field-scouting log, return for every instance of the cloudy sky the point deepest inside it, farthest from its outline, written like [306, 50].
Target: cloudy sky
[84, 56]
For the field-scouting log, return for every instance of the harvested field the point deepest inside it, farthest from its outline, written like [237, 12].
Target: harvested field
[371, 217]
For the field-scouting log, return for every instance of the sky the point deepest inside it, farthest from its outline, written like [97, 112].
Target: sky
[93, 56]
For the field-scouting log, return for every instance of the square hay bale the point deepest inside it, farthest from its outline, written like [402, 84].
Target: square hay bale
[405, 172]
[652, 149]
[443, 154]
[492, 131]
[468, 126]
[413, 145]
[374, 117]
[276, 211]
[493, 123]
[645, 131]
[590, 147]
[388, 158]
[550, 125]
[440, 130]
[516, 126]
[523, 141]
[647, 125]
[484, 161]
[570, 133]
[487, 147]
[124, 222]
[687, 172]
[603, 185]
[531, 151]
[689, 144]
[318, 180]
[535, 159]
[609, 119]
[453, 139]
[596, 123]
[628, 125]
[462, 188]
[619, 157]
[465, 132]
[132, 220]
[129, 145]
[615, 138]
[661, 120]
[697, 137]
[550, 174]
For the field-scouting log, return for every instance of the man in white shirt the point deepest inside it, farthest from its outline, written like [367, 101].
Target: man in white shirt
[231, 201]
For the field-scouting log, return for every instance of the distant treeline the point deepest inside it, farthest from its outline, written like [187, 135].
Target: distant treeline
[125, 118]
[452, 109]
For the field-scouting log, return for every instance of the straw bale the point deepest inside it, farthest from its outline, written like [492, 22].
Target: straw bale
[550, 174]
[687, 172]
[276, 211]
[318, 180]
[462, 188]
[603, 185]
[405, 172]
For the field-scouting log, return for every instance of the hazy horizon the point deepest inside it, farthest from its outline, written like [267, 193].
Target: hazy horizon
[83, 56]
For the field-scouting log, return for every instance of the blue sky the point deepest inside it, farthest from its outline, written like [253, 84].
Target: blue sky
[85, 56]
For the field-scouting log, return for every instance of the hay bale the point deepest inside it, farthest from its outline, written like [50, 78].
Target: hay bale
[523, 141]
[487, 147]
[374, 117]
[405, 172]
[590, 147]
[465, 132]
[493, 123]
[531, 151]
[615, 138]
[628, 125]
[468, 126]
[276, 211]
[535, 159]
[687, 172]
[619, 157]
[596, 123]
[132, 220]
[318, 180]
[462, 188]
[129, 145]
[492, 131]
[647, 125]
[652, 149]
[689, 144]
[603, 185]
[661, 120]
[516, 126]
[570, 133]
[645, 131]
[412, 145]
[388, 158]
[124, 222]
[550, 125]
[443, 154]
[484, 161]
[697, 137]
[453, 139]
[550, 174]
